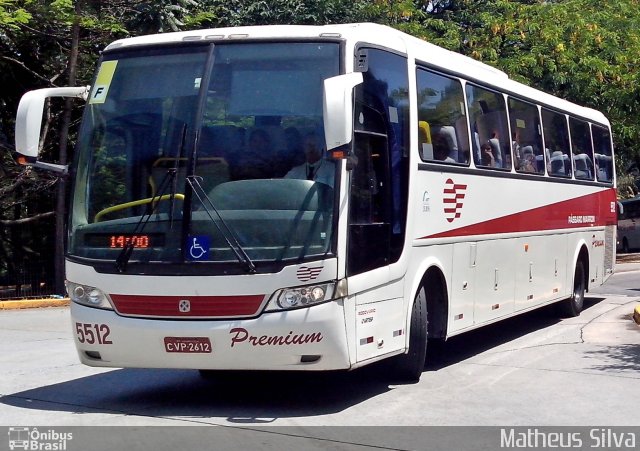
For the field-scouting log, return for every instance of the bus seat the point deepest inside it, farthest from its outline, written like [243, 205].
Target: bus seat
[540, 164]
[476, 148]
[493, 125]
[448, 132]
[424, 140]
[603, 165]
[584, 166]
[497, 151]
[558, 163]
[462, 135]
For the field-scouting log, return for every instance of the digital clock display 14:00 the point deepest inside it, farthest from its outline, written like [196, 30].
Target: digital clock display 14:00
[119, 241]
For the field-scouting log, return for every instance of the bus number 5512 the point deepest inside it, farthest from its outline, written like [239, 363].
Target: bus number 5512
[93, 333]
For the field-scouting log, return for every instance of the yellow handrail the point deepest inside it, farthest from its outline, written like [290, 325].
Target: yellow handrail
[135, 203]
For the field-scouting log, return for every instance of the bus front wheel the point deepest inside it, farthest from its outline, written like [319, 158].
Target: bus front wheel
[410, 365]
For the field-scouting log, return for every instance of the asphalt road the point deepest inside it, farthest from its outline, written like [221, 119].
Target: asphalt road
[536, 369]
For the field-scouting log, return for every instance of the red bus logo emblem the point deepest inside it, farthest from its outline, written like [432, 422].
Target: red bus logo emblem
[453, 195]
[307, 273]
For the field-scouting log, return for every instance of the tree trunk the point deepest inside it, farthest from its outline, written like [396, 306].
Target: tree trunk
[61, 211]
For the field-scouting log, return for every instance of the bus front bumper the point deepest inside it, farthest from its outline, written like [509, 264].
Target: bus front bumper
[305, 339]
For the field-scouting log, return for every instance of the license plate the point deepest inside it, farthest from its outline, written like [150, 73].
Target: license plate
[187, 344]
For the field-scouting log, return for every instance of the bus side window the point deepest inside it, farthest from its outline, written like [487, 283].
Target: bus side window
[556, 141]
[582, 149]
[489, 127]
[379, 178]
[526, 142]
[442, 125]
[603, 154]
[368, 180]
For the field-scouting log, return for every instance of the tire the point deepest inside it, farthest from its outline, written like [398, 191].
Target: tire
[409, 366]
[572, 306]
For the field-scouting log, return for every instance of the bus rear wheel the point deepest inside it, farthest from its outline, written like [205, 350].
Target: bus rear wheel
[409, 366]
[573, 306]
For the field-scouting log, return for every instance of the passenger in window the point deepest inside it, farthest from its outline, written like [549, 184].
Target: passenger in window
[515, 145]
[315, 167]
[528, 162]
[441, 149]
[487, 156]
[494, 142]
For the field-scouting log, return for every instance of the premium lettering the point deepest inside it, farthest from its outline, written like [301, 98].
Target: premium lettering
[241, 335]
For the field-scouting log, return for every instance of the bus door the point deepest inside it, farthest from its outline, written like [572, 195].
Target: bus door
[378, 174]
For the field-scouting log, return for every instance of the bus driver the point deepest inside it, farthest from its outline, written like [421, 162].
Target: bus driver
[315, 167]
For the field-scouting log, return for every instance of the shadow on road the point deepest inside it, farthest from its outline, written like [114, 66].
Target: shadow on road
[465, 346]
[259, 397]
[621, 358]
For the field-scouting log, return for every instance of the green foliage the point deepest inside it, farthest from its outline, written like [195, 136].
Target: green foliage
[227, 13]
[11, 17]
[627, 187]
[584, 51]
[587, 52]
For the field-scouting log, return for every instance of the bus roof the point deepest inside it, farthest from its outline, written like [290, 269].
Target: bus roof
[437, 57]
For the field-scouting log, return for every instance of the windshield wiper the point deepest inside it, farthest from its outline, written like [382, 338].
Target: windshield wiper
[169, 180]
[225, 230]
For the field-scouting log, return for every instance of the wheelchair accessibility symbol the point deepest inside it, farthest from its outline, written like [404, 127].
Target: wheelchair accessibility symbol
[198, 247]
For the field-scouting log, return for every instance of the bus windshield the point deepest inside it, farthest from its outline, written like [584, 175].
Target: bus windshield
[209, 153]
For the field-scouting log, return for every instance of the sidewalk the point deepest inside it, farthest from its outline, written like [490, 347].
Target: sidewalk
[34, 303]
[627, 267]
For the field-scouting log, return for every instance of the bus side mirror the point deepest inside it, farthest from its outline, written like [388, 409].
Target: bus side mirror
[29, 123]
[338, 112]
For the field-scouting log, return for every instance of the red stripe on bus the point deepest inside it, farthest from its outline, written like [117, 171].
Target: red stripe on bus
[204, 306]
[573, 213]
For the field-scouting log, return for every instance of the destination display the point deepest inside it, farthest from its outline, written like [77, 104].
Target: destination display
[119, 241]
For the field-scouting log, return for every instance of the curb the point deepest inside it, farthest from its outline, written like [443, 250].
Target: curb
[33, 303]
[626, 267]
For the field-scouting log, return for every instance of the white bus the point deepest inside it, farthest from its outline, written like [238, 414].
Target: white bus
[629, 225]
[207, 232]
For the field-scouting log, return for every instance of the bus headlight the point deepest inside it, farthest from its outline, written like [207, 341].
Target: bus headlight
[300, 297]
[89, 296]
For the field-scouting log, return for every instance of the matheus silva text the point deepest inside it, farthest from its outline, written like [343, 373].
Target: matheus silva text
[610, 438]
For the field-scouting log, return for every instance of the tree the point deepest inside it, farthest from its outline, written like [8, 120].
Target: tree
[48, 44]
[584, 51]
[227, 13]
